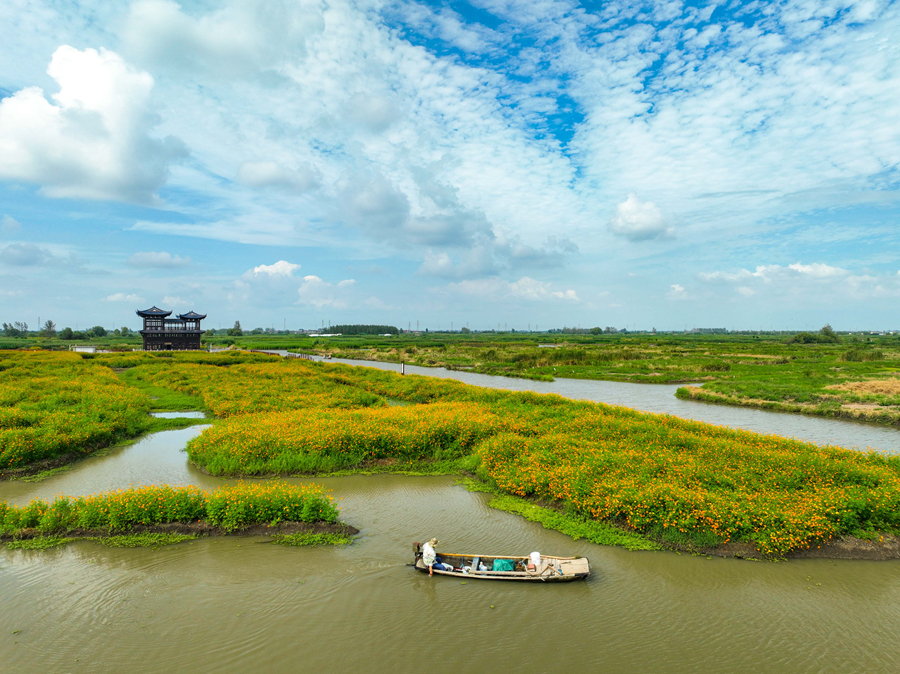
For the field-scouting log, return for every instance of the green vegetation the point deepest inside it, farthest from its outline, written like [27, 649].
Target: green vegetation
[364, 330]
[228, 508]
[153, 541]
[39, 543]
[819, 373]
[574, 525]
[673, 480]
[677, 481]
[55, 404]
[311, 539]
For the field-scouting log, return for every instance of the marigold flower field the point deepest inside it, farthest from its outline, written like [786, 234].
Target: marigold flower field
[57, 403]
[670, 478]
[227, 507]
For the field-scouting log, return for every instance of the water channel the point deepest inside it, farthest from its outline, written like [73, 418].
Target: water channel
[660, 398]
[241, 604]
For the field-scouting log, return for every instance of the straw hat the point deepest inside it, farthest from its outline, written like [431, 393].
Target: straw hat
[433, 542]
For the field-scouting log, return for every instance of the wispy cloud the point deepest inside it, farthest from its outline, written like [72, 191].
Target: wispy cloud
[158, 260]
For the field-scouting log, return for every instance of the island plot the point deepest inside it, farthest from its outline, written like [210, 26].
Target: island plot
[607, 473]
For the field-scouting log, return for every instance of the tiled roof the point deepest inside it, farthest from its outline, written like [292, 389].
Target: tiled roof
[153, 312]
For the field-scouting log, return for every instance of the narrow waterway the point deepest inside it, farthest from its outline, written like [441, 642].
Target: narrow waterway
[660, 398]
[243, 604]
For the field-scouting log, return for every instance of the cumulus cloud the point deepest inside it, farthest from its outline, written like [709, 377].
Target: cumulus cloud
[9, 225]
[160, 260]
[526, 288]
[24, 255]
[123, 297]
[93, 141]
[677, 292]
[318, 293]
[269, 174]
[639, 221]
[280, 268]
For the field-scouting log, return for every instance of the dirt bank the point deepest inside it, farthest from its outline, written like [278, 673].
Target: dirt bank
[847, 547]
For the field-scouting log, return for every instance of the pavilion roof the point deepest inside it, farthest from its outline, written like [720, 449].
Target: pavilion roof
[191, 316]
[153, 312]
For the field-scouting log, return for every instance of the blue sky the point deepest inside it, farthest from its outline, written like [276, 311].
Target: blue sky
[636, 165]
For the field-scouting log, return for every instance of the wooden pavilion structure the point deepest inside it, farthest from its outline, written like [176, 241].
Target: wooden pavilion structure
[161, 333]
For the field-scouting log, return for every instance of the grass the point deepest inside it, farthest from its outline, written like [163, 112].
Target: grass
[153, 541]
[301, 539]
[40, 543]
[576, 526]
[162, 399]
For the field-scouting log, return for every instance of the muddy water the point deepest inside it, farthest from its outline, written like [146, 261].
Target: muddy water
[660, 398]
[242, 605]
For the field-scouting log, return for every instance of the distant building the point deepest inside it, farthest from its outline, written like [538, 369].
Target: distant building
[170, 334]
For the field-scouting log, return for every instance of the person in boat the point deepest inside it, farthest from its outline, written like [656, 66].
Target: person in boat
[429, 555]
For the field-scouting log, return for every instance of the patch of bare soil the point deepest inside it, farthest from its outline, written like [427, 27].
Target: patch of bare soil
[846, 547]
[877, 386]
[39, 466]
[203, 529]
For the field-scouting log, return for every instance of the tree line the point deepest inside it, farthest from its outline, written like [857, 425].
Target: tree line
[20, 329]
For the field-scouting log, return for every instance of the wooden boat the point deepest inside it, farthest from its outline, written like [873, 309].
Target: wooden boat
[550, 569]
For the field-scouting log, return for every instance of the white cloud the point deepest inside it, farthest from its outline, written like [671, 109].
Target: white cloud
[639, 221]
[280, 268]
[263, 174]
[774, 273]
[160, 260]
[93, 141]
[677, 292]
[9, 225]
[818, 270]
[321, 294]
[122, 297]
[525, 288]
[174, 301]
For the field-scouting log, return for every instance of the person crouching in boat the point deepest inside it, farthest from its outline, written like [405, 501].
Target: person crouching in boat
[429, 555]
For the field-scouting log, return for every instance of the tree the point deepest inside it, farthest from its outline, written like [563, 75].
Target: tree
[66, 334]
[236, 330]
[16, 329]
[828, 334]
[465, 331]
[99, 331]
[596, 331]
[126, 331]
[49, 329]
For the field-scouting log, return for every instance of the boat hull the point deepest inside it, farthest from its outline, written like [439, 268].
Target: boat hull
[551, 569]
